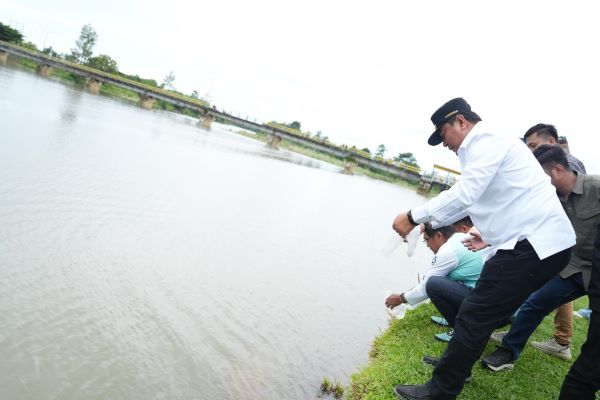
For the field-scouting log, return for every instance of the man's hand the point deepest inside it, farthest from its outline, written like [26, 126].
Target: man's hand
[475, 242]
[401, 225]
[394, 300]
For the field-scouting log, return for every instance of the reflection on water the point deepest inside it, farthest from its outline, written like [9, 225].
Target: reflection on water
[68, 113]
[143, 257]
[262, 151]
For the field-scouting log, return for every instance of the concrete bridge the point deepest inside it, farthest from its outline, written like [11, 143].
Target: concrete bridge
[95, 78]
[148, 94]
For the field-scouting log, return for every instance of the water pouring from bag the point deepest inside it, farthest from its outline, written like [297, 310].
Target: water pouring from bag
[411, 241]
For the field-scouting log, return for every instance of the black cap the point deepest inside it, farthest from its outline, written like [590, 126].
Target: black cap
[444, 113]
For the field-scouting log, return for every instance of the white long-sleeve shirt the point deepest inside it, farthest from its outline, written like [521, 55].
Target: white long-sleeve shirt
[507, 195]
[446, 260]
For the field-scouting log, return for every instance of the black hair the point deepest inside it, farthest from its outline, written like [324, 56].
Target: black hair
[464, 221]
[469, 116]
[548, 154]
[544, 130]
[446, 231]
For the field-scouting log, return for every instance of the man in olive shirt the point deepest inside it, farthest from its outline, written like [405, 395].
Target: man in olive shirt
[559, 345]
[580, 197]
[583, 379]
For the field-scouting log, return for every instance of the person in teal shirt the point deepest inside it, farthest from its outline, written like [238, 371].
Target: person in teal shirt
[448, 292]
[453, 273]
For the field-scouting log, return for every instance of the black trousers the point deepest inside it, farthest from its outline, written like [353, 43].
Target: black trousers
[583, 379]
[507, 279]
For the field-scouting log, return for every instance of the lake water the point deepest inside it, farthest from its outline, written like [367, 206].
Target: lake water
[142, 257]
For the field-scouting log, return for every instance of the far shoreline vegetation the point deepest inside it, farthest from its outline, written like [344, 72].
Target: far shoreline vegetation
[82, 53]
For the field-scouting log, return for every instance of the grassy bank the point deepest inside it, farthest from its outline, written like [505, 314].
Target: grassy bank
[75, 80]
[106, 89]
[395, 358]
[63, 76]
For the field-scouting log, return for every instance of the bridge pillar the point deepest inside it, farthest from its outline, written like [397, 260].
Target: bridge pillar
[3, 57]
[146, 102]
[349, 168]
[424, 187]
[92, 85]
[207, 121]
[273, 141]
[44, 70]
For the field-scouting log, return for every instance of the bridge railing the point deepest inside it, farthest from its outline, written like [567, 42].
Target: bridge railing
[409, 167]
[361, 153]
[387, 161]
[300, 134]
[111, 77]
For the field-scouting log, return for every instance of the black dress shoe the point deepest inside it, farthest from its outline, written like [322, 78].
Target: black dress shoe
[413, 392]
[433, 361]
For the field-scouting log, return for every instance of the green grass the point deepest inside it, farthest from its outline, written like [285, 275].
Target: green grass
[72, 79]
[27, 63]
[331, 390]
[63, 76]
[325, 385]
[395, 358]
[112, 90]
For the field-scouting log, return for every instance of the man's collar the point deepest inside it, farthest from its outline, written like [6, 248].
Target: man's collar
[474, 131]
[578, 189]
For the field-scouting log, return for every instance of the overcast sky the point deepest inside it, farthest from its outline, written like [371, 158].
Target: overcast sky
[364, 73]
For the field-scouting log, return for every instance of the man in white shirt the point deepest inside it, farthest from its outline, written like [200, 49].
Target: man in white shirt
[512, 203]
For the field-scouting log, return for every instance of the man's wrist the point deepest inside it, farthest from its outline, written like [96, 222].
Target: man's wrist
[402, 298]
[410, 218]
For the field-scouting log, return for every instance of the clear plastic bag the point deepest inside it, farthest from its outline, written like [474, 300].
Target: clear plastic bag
[397, 312]
[411, 241]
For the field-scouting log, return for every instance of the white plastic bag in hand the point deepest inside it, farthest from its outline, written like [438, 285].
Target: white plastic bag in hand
[412, 239]
[397, 312]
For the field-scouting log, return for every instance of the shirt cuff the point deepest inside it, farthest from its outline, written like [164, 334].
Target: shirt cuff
[413, 297]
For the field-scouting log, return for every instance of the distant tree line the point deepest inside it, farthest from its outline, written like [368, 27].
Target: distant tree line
[9, 34]
[83, 53]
